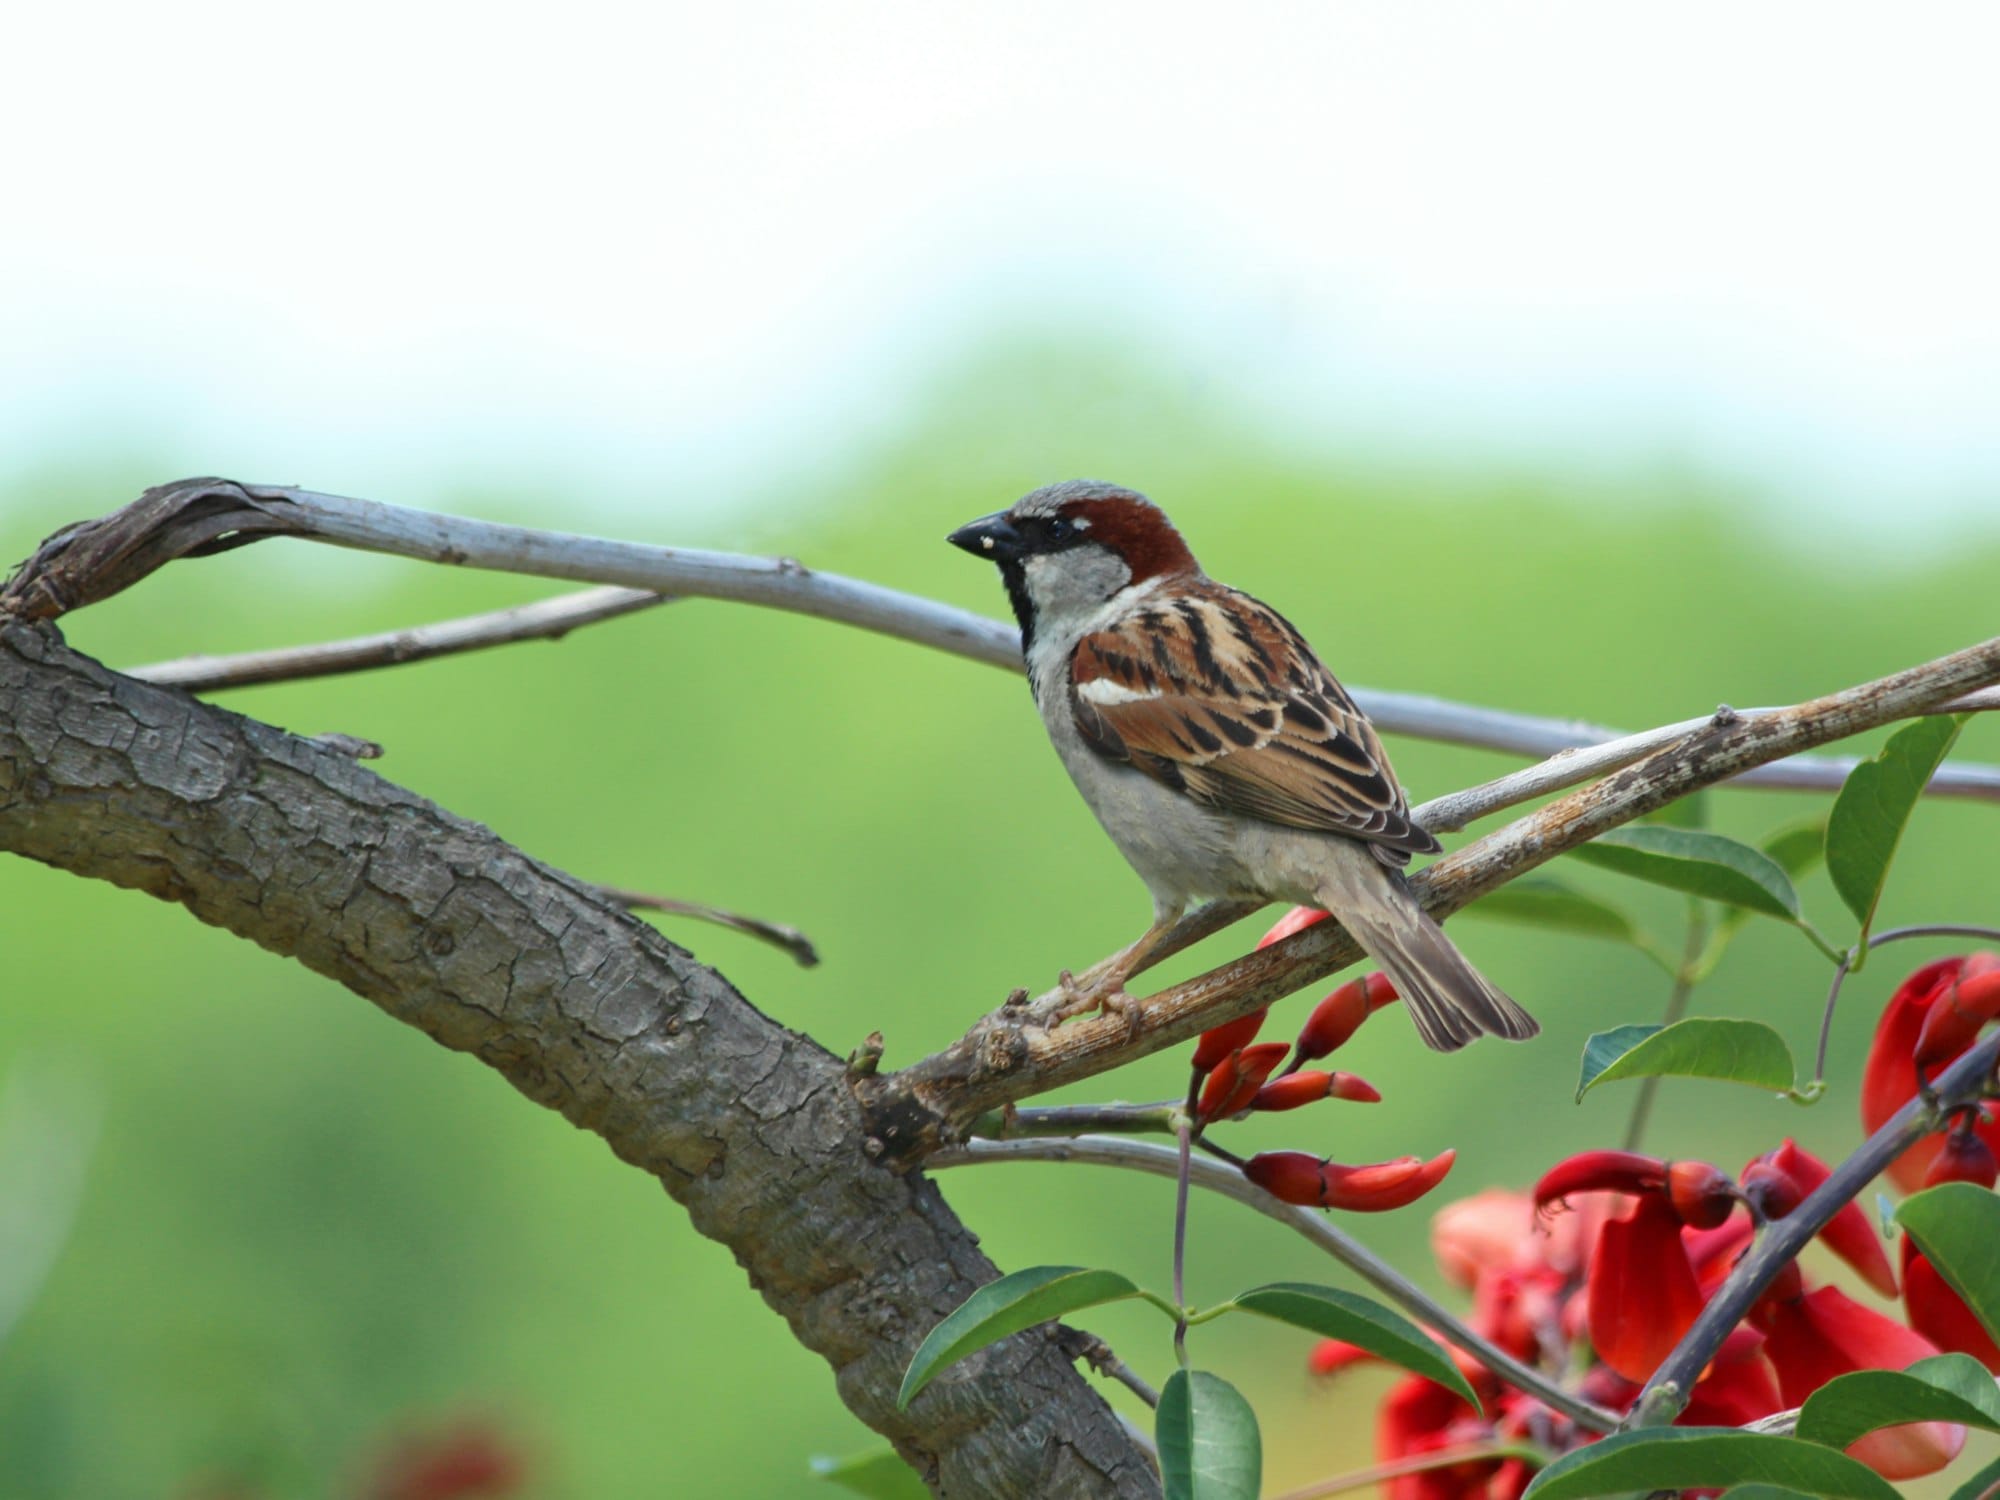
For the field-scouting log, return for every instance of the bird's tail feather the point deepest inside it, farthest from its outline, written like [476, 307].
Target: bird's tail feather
[1450, 1001]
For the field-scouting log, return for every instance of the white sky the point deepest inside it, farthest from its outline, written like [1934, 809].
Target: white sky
[401, 249]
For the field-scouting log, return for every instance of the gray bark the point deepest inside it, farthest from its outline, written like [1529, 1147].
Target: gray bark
[752, 1128]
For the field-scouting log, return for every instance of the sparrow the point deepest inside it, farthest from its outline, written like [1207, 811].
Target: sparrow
[1222, 758]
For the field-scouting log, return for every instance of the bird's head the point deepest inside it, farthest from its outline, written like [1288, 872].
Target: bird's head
[1068, 549]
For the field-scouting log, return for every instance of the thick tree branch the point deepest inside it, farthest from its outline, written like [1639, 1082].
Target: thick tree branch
[583, 1008]
[193, 517]
[1002, 1059]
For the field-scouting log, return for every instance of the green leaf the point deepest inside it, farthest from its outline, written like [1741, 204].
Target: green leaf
[1699, 863]
[1207, 1434]
[878, 1474]
[1981, 1486]
[1948, 1388]
[1706, 1457]
[1799, 847]
[1957, 1226]
[1016, 1301]
[1758, 1490]
[1335, 1314]
[1545, 901]
[1719, 1047]
[1874, 806]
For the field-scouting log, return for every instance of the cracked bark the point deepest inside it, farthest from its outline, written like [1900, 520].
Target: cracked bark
[752, 1128]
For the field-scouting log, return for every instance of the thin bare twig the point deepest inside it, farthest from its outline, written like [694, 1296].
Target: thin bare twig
[194, 517]
[1001, 1060]
[777, 934]
[1165, 1161]
[545, 619]
[1876, 940]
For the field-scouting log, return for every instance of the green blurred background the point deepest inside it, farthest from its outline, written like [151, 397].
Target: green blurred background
[305, 1227]
[1579, 359]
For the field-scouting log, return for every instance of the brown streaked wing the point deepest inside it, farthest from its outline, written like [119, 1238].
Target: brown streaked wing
[1218, 697]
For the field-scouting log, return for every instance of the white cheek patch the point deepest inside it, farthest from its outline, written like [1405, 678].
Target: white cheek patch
[1105, 693]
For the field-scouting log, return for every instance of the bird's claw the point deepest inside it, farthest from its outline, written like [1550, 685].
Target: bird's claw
[1109, 999]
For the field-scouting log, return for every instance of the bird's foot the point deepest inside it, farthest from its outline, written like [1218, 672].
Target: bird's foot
[1107, 998]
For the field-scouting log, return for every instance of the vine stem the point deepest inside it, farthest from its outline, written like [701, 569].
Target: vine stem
[1165, 1161]
[1845, 967]
[1964, 1082]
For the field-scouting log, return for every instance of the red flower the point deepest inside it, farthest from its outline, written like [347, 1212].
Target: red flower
[1940, 1314]
[1957, 1012]
[1340, 1014]
[1298, 1178]
[1740, 1385]
[1219, 1041]
[1311, 1086]
[1298, 919]
[1236, 1079]
[1936, 1311]
[1778, 1181]
[1823, 1333]
[1643, 1297]
[1890, 1079]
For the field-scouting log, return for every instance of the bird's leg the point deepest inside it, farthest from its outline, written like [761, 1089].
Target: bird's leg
[1102, 986]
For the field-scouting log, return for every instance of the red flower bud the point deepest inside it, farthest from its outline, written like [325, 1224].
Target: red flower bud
[1702, 1195]
[1309, 1087]
[1219, 1041]
[1234, 1084]
[1340, 1014]
[1961, 1007]
[1965, 1158]
[1779, 1180]
[1600, 1172]
[1298, 919]
[1331, 1356]
[1298, 1178]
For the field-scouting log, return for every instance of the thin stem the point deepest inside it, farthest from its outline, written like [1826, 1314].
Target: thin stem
[1423, 1463]
[1184, 1143]
[777, 934]
[1100, 1356]
[1078, 1119]
[1677, 999]
[1876, 940]
[1667, 1392]
[1164, 1161]
[545, 619]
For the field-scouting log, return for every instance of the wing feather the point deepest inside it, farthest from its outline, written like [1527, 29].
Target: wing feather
[1219, 698]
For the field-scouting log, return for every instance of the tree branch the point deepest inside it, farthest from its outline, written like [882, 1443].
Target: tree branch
[1002, 1060]
[195, 517]
[1964, 1082]
[544, 619]
[582, 1007]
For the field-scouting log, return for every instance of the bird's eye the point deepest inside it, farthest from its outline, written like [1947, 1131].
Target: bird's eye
[1060, 529]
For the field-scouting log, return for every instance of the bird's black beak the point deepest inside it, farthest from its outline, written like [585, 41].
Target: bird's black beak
[992, 537]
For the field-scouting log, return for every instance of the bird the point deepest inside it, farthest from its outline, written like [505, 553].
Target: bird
[1222, 758]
